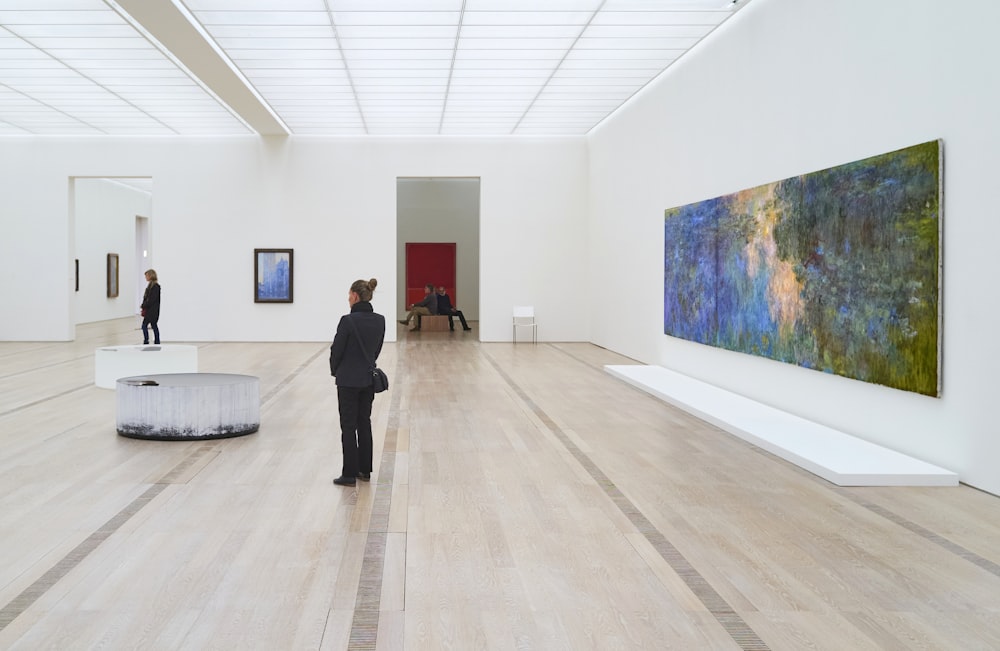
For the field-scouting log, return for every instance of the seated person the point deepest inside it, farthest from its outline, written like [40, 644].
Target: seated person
[426, 307]
[445, 307]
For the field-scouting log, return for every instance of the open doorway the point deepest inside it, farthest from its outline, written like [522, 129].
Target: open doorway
[438, 214]
[110, 221]
[143, 255]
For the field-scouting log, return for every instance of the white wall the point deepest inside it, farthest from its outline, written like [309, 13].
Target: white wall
[793, 86]
[333, 200]
[104, 219]
[442, 210]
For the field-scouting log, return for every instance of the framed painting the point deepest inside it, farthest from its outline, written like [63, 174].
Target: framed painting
[77, 266]
[112, 275]
[272, 271]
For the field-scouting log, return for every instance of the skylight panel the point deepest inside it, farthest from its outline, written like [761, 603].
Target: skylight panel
[526, 18]
[32, 15]
[702, 18]
[532, 5]
[395, 5]
[271, 31]
[255, 5]
[518, 32]
[421, 64]
[32, 32]
[211, 19]
[421, 32]
[559, 45]
[395, 18]
[396, 44]
[288, 44]
[647, 31]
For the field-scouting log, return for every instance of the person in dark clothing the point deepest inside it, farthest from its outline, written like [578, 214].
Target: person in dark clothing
[354, 380]
[425, 307]
[150, 308]
[445, 307]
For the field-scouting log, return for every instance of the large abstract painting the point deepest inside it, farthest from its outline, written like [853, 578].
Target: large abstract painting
[837, 270]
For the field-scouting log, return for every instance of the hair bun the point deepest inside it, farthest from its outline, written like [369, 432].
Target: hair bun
[372, 284]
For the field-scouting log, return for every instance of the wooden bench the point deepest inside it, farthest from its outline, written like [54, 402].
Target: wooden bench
[837, 457]
[433, 323]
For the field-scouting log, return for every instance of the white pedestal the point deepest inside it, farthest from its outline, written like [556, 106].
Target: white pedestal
[113, 362]
[187, 406]
[835, 456]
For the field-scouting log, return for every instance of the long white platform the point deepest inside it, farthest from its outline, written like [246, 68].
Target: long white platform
[113, 362]
[839, 458]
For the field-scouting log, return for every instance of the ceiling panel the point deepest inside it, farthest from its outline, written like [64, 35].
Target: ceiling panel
[474, 67]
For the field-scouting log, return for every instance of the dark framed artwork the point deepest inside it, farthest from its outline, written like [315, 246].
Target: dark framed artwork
[112, 275]
[272, 272]
[77, 265]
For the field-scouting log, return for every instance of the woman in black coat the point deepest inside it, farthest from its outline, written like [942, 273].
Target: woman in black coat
[348, 363]
[151, 307]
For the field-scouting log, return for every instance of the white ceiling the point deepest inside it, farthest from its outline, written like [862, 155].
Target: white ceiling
[338, 67]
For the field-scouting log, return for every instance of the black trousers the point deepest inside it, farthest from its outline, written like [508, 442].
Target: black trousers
[145, 333]
[355, 405]
[461, 317]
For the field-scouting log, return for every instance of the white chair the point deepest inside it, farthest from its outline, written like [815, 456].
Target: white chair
[524, 316]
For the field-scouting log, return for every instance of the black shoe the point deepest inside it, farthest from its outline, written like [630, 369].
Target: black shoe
[466, 329]
[452, 329]
[345, 481]
[365, 476]
[403, 322]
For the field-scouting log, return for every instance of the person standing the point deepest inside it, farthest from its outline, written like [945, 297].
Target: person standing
[358, 339]
[426, 307]
[150, 308]
[445, 307]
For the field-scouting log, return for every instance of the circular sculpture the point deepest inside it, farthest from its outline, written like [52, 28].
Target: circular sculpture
[188, 406]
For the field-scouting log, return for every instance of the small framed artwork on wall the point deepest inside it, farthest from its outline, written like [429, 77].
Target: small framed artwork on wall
[77, 265]
[272, 271]
[112, 275]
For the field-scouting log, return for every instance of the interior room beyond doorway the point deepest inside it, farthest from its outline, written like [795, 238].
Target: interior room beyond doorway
[443, 211]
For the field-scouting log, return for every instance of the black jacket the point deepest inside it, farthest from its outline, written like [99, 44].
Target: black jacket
[151, 302]
[347, 362]
[444, 304]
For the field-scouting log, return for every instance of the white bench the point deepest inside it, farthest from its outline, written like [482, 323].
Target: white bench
[837, 457]
[113, 362]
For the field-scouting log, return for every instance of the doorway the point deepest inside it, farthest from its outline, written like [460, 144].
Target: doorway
[143, 256]
[437, 223]
[109, 216]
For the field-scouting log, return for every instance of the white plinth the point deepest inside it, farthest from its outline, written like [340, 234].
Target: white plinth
[113, 362]
[188, 406]
[838, 457]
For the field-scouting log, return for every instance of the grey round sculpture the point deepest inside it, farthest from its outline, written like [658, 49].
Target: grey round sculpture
[188, 406]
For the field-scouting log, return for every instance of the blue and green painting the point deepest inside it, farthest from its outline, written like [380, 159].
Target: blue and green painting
[837, 270]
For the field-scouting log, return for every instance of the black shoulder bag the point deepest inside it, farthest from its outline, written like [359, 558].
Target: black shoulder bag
[380, 381]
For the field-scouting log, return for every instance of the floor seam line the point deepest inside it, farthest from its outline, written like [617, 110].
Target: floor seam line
[78, 554]
[724, 614]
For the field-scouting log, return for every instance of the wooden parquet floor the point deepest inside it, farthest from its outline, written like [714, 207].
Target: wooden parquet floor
[522, 499]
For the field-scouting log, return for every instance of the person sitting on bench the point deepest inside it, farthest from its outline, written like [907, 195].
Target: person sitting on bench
[445, 307]
[426, 307]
